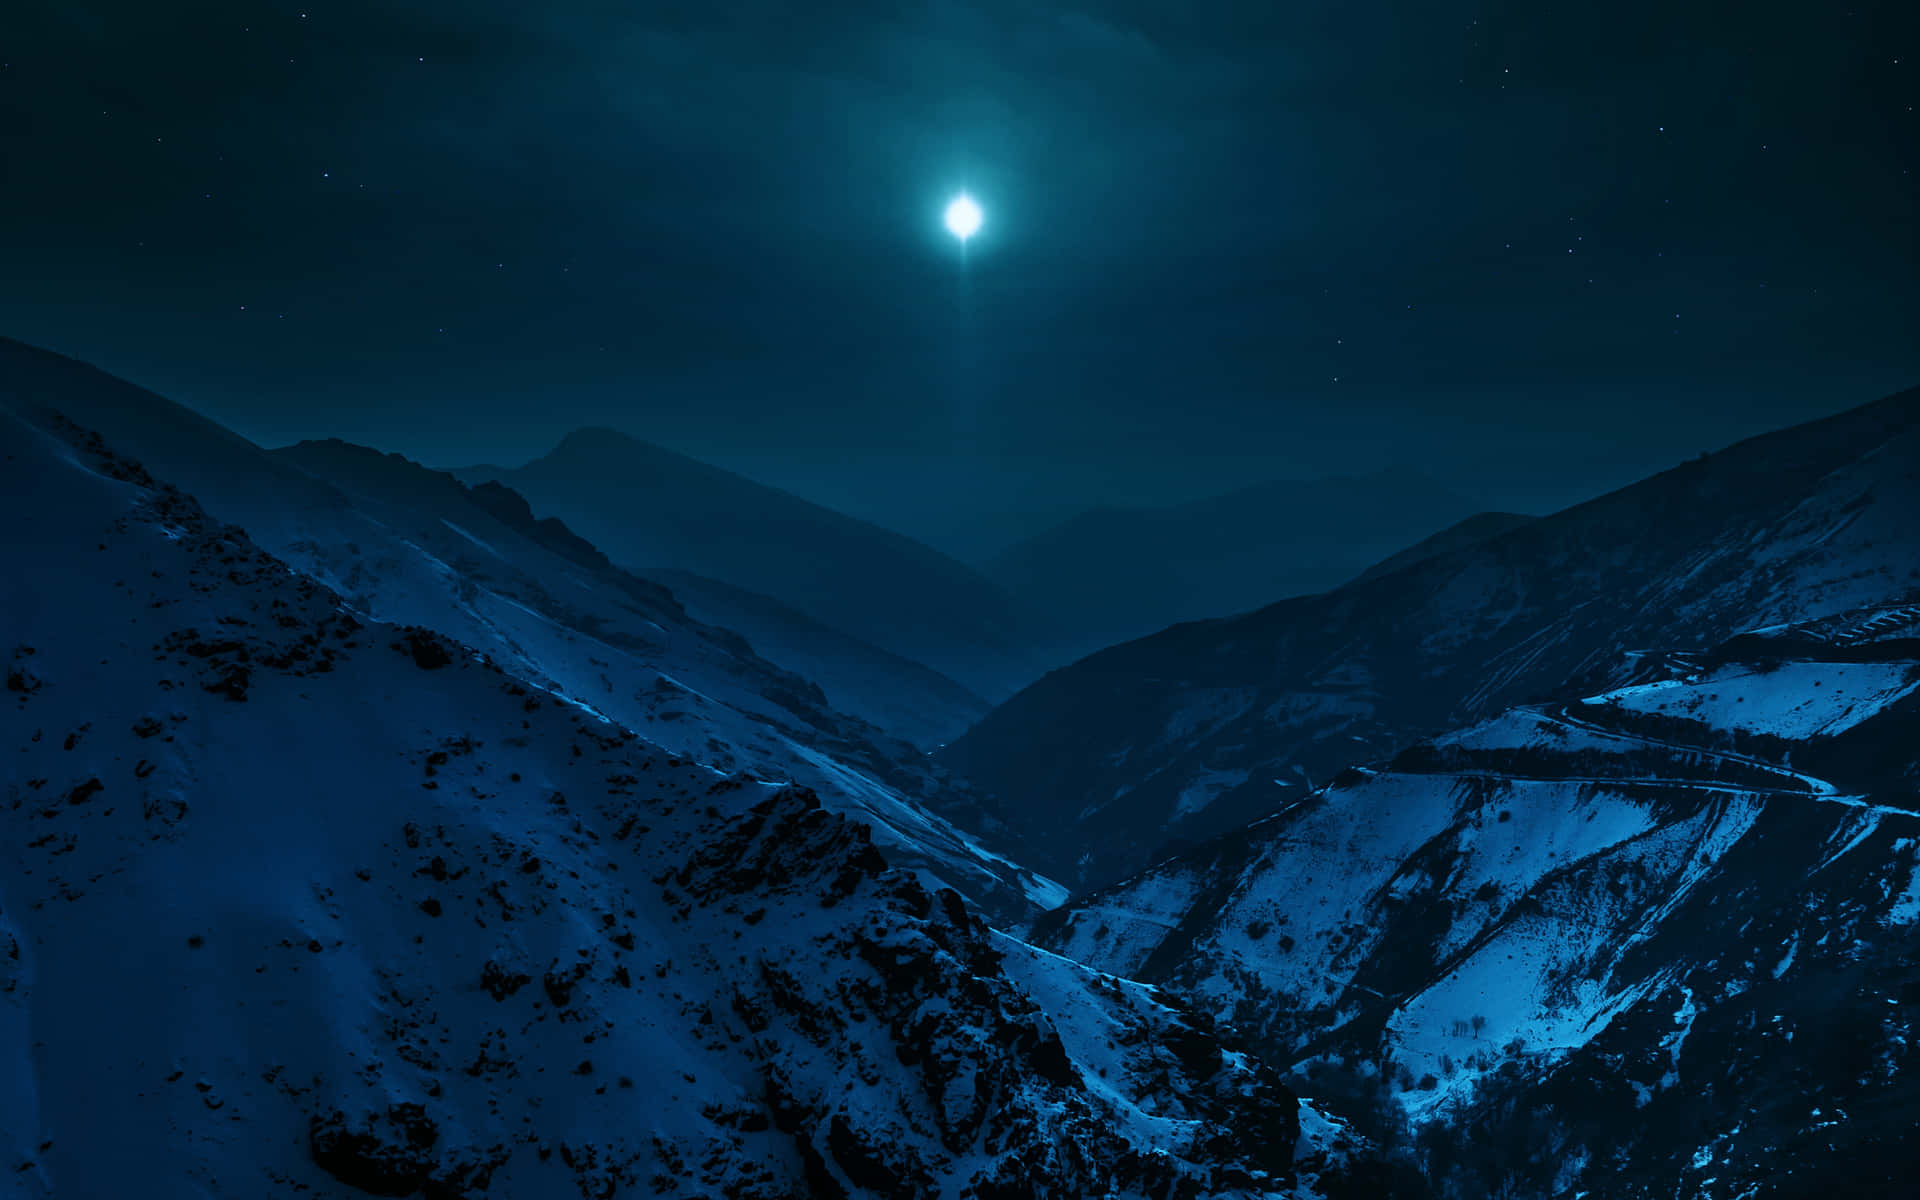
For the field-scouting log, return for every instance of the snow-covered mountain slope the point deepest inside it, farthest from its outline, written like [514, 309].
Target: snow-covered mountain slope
[411, 546]
[904, 698]
[885, 690]
[1114, 574]
[1661, 941]
[1126, 755]
[297, 903]
[649, 507]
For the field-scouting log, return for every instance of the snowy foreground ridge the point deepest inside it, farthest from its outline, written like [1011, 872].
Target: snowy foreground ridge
[295, 903]
[1669, 929]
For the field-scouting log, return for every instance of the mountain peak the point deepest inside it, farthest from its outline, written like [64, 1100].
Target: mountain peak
[604, 439]
[650, 508]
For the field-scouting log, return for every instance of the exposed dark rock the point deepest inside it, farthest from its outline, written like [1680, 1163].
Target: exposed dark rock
[428, 649]
[386, 1154]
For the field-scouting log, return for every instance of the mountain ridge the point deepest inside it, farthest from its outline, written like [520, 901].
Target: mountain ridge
[1477, 528]
[649, 507]
[915, 702]
[1199, 728]
[895, 694]
[412, 546]
[1112, 574]
[1573, 944]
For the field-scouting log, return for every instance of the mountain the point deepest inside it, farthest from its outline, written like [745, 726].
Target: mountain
[1114, 574]
[1660, 941]
[900, 696]
[903, 698]
[410, 546]
[298, 902]
[1475, 529]
[1128, 755]
[649, 508]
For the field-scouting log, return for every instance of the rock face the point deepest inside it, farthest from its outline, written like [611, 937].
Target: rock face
[1658, 941]
[388, 920]
[1125, 757]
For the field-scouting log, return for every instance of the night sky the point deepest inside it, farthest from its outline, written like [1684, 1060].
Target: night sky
[1536, 249]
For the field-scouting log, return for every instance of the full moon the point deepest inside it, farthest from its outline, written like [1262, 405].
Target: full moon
[963, 217]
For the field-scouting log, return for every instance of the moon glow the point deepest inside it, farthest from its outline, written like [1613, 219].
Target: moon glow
[963, 217]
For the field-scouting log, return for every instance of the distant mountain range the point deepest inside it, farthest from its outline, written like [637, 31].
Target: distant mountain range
[1114, 574]
[649, 508]
[1128, 755]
